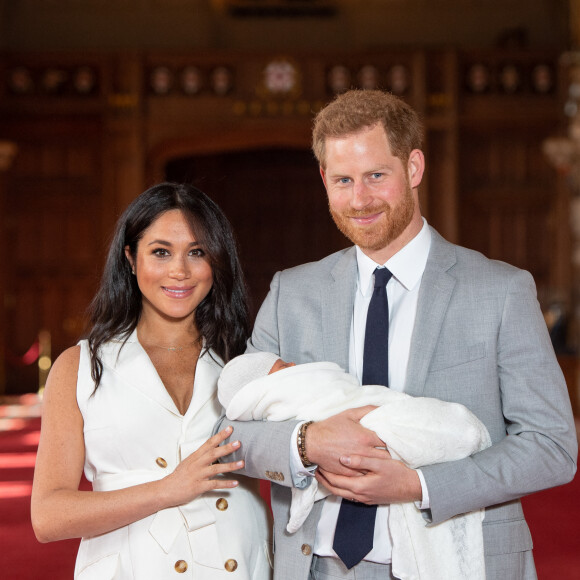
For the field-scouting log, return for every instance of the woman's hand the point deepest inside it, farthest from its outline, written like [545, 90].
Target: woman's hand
[197, 473]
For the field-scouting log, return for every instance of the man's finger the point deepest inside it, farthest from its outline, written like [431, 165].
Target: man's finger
[356, 462]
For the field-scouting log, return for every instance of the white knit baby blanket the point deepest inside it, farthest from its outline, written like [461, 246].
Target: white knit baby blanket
[416, 430]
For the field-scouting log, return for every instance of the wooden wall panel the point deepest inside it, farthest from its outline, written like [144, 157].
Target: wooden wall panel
[52, 224]
[508, 200]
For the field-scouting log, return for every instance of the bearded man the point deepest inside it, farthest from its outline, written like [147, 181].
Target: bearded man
[407, 309]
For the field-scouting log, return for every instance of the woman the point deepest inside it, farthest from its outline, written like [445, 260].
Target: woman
[135, 404]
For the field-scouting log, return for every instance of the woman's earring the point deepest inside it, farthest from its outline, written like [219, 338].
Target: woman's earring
[133, 271]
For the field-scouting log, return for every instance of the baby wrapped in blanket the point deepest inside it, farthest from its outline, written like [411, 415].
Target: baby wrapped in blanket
[416, 430]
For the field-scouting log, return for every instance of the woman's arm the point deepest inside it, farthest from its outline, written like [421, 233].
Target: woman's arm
[59, 510]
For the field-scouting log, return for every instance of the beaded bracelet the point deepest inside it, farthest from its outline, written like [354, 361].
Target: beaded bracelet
[301, 440]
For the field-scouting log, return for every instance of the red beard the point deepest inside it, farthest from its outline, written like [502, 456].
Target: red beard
[390, 225]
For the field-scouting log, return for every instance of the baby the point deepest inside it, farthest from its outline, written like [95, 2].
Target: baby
[416, 430]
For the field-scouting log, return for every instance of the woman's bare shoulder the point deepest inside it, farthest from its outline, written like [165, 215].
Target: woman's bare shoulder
[64, 371]
[68, 359]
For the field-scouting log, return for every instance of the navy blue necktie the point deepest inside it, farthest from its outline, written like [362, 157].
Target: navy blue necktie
[355, 527]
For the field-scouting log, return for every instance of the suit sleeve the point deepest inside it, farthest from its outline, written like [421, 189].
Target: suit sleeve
[539, 449]
[265, 445]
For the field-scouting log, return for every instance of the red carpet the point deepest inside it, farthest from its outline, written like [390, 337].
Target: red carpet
[21, 556]
[553, 515]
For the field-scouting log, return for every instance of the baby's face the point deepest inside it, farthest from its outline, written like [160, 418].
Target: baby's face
[279, 365]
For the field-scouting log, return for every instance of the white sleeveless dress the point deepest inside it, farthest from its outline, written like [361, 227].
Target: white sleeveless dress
[134, 434]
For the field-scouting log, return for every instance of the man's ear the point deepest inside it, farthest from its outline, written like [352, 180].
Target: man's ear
[323, 175]
[416, 167]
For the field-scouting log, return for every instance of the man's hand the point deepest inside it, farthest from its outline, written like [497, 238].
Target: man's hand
[342, 435]
[381, 481]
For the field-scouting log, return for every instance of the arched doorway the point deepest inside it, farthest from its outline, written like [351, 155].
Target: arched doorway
[275, 200]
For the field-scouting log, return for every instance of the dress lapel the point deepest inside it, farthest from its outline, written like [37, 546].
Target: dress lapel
[134, 366]
[434, 296]
[337, 303]
[207, 372]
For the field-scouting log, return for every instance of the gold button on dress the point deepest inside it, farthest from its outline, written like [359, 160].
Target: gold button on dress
[221, 504]
[230, 565]
[180, 566]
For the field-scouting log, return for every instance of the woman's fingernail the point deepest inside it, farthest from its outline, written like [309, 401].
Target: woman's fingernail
[345, 459]
[236, 444]
[240, 463]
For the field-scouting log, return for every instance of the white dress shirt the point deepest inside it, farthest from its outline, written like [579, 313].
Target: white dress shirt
[407, 267]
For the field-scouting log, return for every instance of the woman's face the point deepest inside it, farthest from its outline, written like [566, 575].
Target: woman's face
[171, 268]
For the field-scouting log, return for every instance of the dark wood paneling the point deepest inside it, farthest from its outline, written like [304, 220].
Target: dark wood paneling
[52, 227]
[508, 199]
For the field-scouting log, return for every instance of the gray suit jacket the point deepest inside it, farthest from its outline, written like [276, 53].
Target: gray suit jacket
[479, 339]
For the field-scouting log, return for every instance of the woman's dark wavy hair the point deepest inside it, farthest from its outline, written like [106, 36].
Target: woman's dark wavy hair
[222, 316]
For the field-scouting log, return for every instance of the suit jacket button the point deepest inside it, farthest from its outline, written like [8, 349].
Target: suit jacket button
[221, 504]
[180, 566]
[306, 549]
[162, 463]
[230, 565]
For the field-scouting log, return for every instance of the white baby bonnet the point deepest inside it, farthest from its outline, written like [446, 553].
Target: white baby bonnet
[242, 370]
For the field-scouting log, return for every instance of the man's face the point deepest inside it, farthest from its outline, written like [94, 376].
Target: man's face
[370, 192]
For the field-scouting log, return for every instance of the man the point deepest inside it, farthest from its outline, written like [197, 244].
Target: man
[460, 328]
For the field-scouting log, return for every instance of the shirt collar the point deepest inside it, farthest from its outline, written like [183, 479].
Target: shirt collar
[407, 265]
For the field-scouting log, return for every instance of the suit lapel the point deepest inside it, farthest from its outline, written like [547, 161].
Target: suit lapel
[337, 303]
[434, 296]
